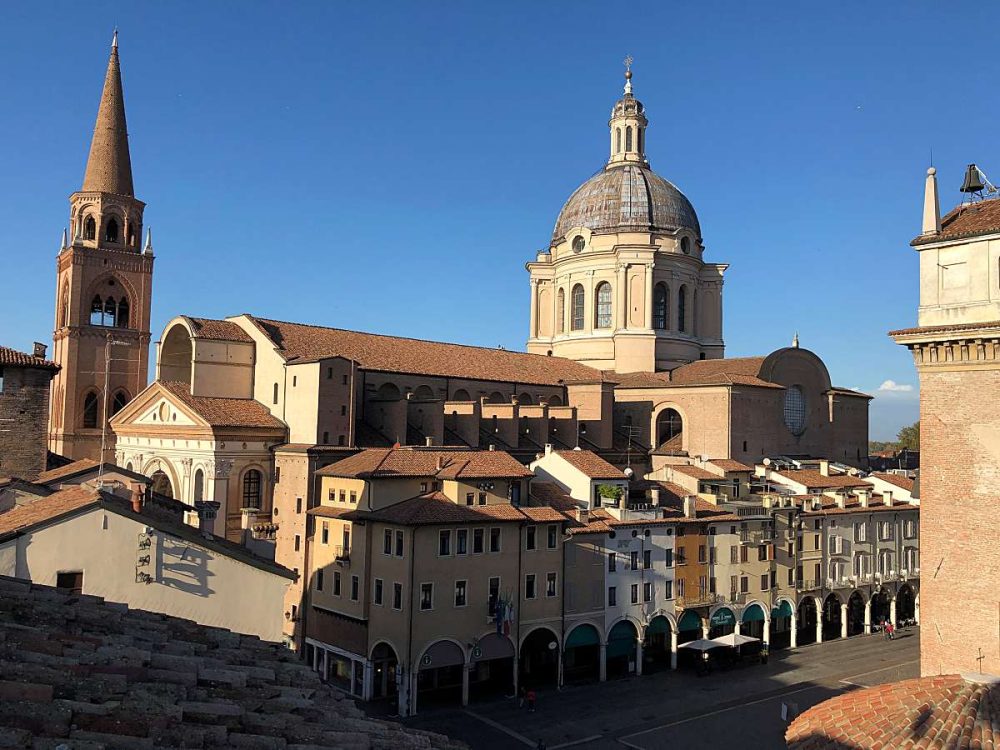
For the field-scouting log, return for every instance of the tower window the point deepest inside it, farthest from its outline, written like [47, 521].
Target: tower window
[90, 403]
[121, 398]
[111, 231]
[638, 137]
[561, 311]
[661, 297]
[96, 311]
[576, 316]
[618, 140]
[275, 393]
[685, 245]
[89, 228]
[110, 312]
[628, 138]
[603, 306]
[682, 309]
[123, 313]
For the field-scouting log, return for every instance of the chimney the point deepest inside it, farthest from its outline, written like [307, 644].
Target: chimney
[548, 448]
[932, 209]
[39, 350]
[583, 515]
[492, 447]
[429, 441]
[824, 468]
[689, 511]
[654, 496]
[207, 510]
[887, 498]
[137, 497]
[864, 495]
[840, 498]
[440, 461]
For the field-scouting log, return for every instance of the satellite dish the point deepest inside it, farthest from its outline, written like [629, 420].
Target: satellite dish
[629, 473]
[766, 462]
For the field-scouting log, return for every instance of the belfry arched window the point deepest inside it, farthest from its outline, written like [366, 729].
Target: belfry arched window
[661, 298]
[110, 312]
[618, 140]
[252, 489]
[118, 403]
[628, 138]
[90, 407]
[561, 311]
[111, 231]
[602, 298]
[638, 138]
[97, 311]
[89, 228]
[682, 309]
[64, 307]
[576, 314]
[123, 313]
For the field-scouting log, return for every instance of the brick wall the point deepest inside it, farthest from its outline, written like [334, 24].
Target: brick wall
[24, 418]
[959, 531]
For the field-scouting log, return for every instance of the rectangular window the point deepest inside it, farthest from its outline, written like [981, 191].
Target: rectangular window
[647, 559]
[444, 543]
[319, 579]
[669, 590]
[612, 562]
[494, 596]
[815, 541]
[462, 541]
[744, 554]
[634, 590]
[387, 542]
[70, 581]
[701, 553]
[529, 586]
[552, 536]
[670, 558]
[347, 540]
[336, 583]
[399, 543]
[343, 410]
[550, 584]
[298, 542]
[482, 498]
[680, 588]
[774, 579]
[397, 596]
[354, 588]
[460, 600]
[354, 496]
[378, 591]
[744, 584]
[711, 585]
[647, 592]
[764, 579]
[426, 596]
[762, 553]
[494, 540]
[612, 596]
[298, 505]
[470, 498]
[325, 533]
[681, 556]
[477, 541]
[529, 538]
[633, 560]
[343, 496]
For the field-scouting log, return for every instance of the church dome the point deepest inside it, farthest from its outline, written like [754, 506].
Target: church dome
[627, 197]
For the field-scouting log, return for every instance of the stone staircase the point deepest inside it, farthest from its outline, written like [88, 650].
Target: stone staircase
[79, 673]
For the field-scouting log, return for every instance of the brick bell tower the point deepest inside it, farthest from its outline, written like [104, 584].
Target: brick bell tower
[104, 279]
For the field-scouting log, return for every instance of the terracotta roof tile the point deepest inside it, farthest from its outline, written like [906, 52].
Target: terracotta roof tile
[58, 504]
[902, 482]
[733, 371]
[436, 508]
[219, 330]
[225, 412]
[443, 464]
[928, 712]
[552, 495]
[853, 505]
[591, 465]
[728, 464]
[967, 220]
[954, 328]
[325, 511]
[46, 477]
[812, 478]
[13, 358]
[297, 341]
[695, 472]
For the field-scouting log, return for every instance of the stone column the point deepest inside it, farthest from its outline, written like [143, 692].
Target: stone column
[843, 620]
[638, 657]
[604, 662]
[673, 649]
[767, 631]
[892, 611]
[533, 324]
[916, 608]
[794, 642]
[819, 626]
[466, 669]
[739, 626]
[559, 670]
[649, 296]
[368, 683]
[704, 628]
[868, 617]
[622, 296]
[411, 683]
[326, 665]
[589, 304]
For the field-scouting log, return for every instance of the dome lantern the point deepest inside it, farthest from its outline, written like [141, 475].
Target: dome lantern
[628, 127]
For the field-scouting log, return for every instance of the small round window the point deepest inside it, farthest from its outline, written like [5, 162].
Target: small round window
[685, 245]
[578, 243]
[795, 410]
[164, 412]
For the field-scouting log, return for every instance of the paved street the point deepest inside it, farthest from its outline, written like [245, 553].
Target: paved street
[740, 707]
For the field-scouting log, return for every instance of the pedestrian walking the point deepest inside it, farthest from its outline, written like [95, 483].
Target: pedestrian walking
[531, 701]
[890, 629]
[521, 694]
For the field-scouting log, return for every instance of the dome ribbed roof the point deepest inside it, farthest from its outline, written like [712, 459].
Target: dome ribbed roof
[627, 197]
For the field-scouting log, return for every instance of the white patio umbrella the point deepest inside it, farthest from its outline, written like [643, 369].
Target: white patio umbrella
[701, 645]
[734, 639]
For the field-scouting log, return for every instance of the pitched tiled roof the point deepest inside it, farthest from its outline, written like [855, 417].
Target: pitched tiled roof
[13, 358]
[436, 508]
[591, 465]
[813, 478]
[928, 712]
[76, 467]
[220, 330]
[552, 495]
[728, 464]
[640, 379]
[954, 328]
[695, 472]
[56, 505]
[225, 412]
[297, 341]
[853, 505]
[733, 371]
[969, 220]
[900, 481]
[442, 464]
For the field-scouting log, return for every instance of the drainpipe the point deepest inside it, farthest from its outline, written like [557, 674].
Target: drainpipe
[410, 682]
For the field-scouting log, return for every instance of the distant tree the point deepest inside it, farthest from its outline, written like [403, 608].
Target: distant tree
[877, 446]
[909, 437]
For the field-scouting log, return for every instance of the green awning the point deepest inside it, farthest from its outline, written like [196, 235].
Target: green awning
[658, 625]
[782, 610]
[753, 614]
[621, 640]
[689, 621]
[583, 635]
[722, 617]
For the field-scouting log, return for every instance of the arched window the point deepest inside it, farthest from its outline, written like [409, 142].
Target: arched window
[110, 311]
[685, 245]
[275, 393]
[555, 401]
[561, 311]
[123, 313]
[496, 398]
[251, 489]
[111, 231]
[118, 403]
[628, 138]
[131, 234]
[638, 134]
[795, 410]
[461, 395]
[89, 228]
[669, 430]
[682, 294]
[602, 297]
[618, 140]
[90, 405]
[576, 314]
[199, 485]
[128, 466]
[96, 311]
[525, 399]
[661, 298]
[64, 307]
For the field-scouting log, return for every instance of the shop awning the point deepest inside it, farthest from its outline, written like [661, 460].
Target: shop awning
[689, 621]
[782, 610]
[658, 625]
[753, 613]
[583, 635]
[722, 617]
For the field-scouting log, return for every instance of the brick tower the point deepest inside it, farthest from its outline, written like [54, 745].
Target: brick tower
[103, 290]
[956, 348]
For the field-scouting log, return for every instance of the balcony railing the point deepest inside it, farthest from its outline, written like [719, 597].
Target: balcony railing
[764, 536]
[807, 585]
[342, 554]
[699, 599]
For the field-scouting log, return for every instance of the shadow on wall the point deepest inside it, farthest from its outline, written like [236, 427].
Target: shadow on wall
[183, 566]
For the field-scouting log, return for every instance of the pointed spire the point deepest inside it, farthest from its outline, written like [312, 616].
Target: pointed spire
[932, 208]
[628, 75]
[109, 168]
[64, 243]
[148, 249]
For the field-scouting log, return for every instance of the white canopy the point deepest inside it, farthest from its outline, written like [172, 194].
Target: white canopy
[701, 645]
[734, 639]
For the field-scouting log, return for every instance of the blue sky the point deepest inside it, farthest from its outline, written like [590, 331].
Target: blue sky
[326, 162]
